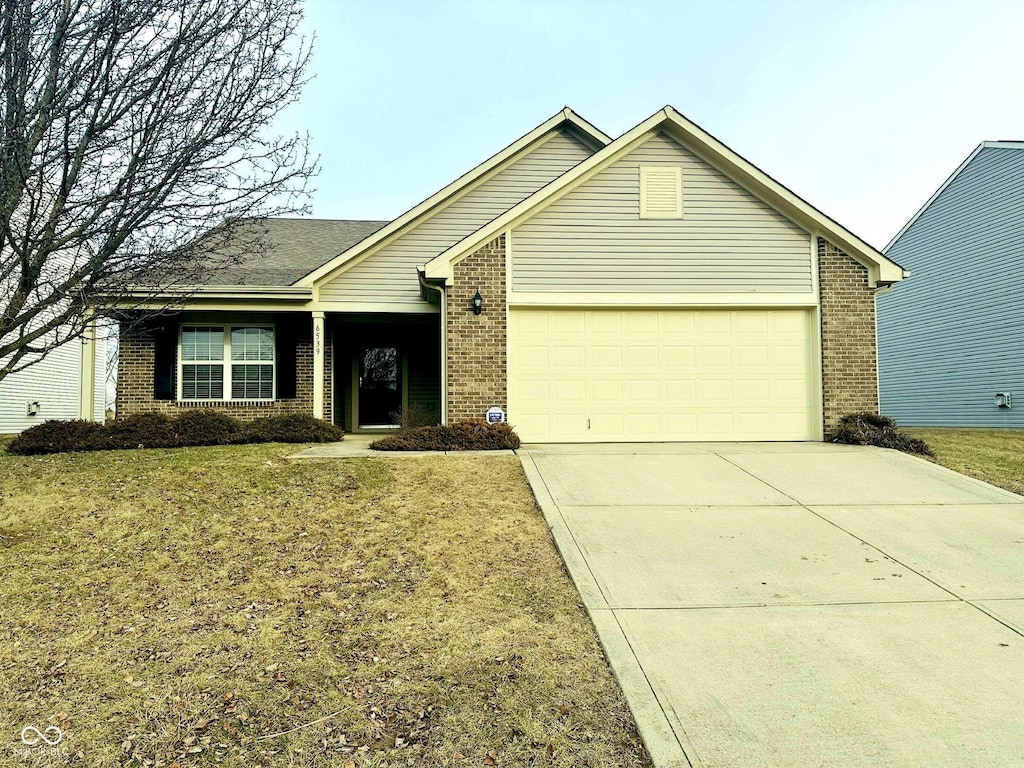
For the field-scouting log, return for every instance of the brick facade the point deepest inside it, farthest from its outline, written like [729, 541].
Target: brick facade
[136, 369]
[477, 343]
[848, 349]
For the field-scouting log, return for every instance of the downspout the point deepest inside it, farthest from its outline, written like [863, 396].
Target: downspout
[444, 340]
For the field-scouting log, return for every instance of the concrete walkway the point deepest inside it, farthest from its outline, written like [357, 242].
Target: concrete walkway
[798, 604]
[358, 446]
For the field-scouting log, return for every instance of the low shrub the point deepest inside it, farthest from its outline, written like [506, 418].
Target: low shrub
[56, 436]
[156, 430]
[292, 428]
[880, 431]
[141, 430]
[461, 436]
[207, 427]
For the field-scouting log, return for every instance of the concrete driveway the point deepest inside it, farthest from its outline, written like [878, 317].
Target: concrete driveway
[798, 604]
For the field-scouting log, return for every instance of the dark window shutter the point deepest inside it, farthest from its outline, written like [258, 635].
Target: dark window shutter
[286, 337]
[166, 350]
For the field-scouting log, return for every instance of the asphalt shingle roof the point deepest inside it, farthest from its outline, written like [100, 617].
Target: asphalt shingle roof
[287, 249]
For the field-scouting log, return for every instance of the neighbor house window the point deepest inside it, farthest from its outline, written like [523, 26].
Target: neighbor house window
[226, 362]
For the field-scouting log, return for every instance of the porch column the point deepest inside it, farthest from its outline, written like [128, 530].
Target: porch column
[87, 374]
[318, 365]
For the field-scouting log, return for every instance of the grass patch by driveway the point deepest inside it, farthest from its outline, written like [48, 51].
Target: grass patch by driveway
[181, 607]
[993, 455]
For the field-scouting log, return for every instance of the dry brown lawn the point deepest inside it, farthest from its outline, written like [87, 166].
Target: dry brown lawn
[224, 606]
[993, 455]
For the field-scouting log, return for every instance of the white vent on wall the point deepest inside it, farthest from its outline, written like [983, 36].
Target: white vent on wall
[661, 192]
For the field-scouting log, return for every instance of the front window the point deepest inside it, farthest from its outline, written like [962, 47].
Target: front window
[224, 362]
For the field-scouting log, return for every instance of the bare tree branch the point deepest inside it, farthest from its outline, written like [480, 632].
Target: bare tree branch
[130, 130]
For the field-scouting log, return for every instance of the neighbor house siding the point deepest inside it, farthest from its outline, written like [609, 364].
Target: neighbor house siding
[136, 365]
[593, 239]
[54, 382]
[389, 275]
[848, 364]
[952, 335]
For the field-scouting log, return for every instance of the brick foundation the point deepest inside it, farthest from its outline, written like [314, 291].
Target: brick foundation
[477, 372]
[135, 384]
[848, 347]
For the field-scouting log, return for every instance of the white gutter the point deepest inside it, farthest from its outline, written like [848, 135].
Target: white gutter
[284, 292]
[444, 341]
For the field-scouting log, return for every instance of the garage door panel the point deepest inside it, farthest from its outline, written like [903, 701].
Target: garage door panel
[569, 391]
[571, 425]
[531, 356]
[794, 323]
[752, 357]
[644, 425]
[533, 390]
[644, 390]
[754, 423]
[789, 356]
[569, 356]
[607, 424]
[788, 391]
[751, 322]
[751, 390]
[642, 356]
[679, 356]
[566, 322]
[607, 375]
[680, 323]
[715, 390]
[684, 425]
[710, 357]
[680, 391]
[606, 356]
[605, 322]
[641, 322]
[609, 390]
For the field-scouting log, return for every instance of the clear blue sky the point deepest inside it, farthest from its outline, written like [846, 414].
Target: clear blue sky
[862, 108]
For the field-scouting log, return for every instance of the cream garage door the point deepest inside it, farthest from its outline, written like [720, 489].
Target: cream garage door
[607, 375]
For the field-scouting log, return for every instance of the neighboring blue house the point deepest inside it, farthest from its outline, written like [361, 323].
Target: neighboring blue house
[951, 337]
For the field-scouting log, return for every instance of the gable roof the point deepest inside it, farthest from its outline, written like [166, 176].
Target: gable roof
[588, 132]
[959, 169]
[881, 269]
[289, 248]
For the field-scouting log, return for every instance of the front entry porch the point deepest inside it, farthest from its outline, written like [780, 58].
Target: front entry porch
[387, 370]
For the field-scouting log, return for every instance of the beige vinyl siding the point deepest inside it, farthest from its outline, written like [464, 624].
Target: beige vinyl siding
[593, 239]
[389, 275]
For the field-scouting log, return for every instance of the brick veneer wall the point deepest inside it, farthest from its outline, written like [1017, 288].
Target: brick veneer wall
[848, 349]
[477, 370]
[135, 371]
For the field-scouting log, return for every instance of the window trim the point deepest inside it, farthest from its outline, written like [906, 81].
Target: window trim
[226, 363]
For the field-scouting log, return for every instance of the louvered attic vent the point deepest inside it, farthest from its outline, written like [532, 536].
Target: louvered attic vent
[661, 192]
